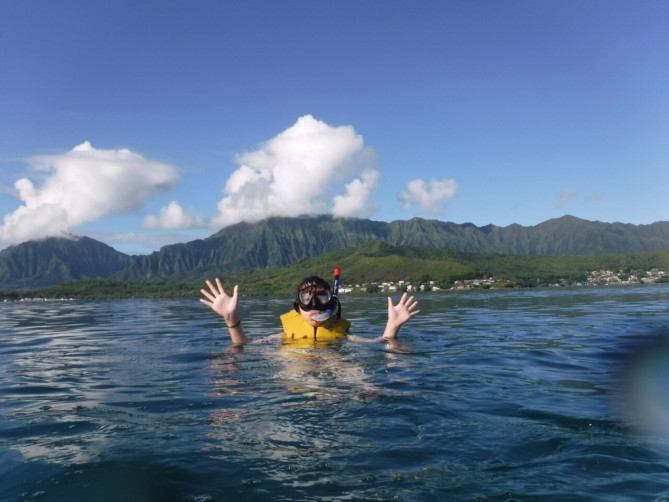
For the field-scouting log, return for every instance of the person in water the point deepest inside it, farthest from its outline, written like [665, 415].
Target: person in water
[316, 315]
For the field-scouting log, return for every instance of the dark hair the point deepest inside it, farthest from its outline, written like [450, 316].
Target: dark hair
[313, 282]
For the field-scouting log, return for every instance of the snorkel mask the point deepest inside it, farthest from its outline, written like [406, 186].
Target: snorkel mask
[312, 299]
[314, 294]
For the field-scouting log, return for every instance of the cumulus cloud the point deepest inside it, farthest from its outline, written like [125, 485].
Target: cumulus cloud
[82, 185]
[173, 216]
[428, 195]
[356, 194]
[300, 171]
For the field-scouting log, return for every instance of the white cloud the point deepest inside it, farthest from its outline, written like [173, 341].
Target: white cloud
[428, 196]
[356, 195]
[173, 217]
[82, 185]
[298, 172]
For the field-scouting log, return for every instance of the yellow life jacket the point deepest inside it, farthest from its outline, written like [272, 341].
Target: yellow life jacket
[300, 333]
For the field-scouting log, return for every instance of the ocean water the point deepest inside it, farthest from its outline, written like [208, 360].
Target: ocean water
[537, 394]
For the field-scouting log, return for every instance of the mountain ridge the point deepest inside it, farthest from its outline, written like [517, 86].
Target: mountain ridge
[281, 241]
[54, 260]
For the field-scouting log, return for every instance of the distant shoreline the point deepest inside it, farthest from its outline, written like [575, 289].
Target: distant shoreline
[463, 286]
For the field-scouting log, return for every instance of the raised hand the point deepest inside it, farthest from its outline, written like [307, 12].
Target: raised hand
[226, 307]
[399, 314]
[220, 302]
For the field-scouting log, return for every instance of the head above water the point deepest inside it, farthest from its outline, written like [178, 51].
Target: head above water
[313, 293]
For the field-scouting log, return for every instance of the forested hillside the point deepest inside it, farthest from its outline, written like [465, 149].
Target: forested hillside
[280, 242]
[367, 266]
[38, 264]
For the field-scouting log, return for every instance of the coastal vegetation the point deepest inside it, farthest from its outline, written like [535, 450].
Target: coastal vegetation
[278, 243]
[370, 265]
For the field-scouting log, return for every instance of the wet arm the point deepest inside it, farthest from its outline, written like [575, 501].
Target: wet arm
[225, 306]
[268, 338]
[398, 315]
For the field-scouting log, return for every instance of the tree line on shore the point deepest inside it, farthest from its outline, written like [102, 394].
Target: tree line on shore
[375, 262]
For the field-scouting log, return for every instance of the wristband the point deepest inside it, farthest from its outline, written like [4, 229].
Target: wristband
[234, 325]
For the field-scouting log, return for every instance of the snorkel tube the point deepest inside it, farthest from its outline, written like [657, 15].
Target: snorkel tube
[335, 293]
[334, 303]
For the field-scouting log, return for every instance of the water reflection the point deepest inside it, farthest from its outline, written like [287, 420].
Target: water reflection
[484, 395]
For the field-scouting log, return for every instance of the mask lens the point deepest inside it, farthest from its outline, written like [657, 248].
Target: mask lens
[308, 298]
[323, 298]
[305, 296]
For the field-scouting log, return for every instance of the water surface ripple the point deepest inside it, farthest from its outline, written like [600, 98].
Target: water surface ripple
[547, 394]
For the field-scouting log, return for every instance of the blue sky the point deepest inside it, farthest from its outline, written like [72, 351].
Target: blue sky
[144, 123]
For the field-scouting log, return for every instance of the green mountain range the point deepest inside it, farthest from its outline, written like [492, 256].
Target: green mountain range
[279, 242]
[39, 264]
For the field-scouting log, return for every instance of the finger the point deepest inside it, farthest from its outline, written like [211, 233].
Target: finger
[414, 312]
[220, 286]
[206, 302]
[234, 292]
[390, 303]
[207, 294]
[211, 287]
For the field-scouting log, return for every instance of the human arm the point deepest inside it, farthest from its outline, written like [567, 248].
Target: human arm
[398, 315]
[225, 306]
[268, 338]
